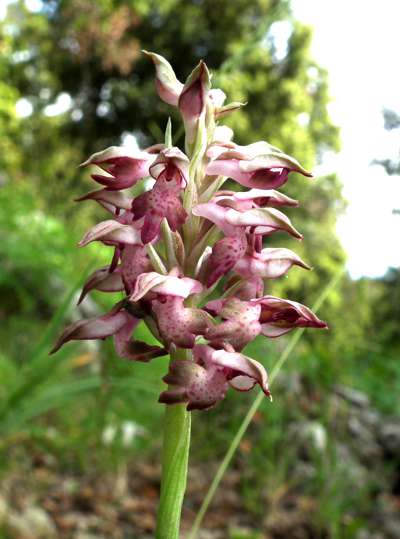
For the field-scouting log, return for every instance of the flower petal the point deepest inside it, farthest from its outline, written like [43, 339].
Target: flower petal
[162, 201]
[192, 100]
[278, 316]
[178, 324]
[225, 254]
[134, 261]
[99, 327]
[124, 166]
[104, 281]
[246, 371]
[164, 285]
[168, 86]
[270, 263]
[112, 201]
[112, 232]
[266, 221]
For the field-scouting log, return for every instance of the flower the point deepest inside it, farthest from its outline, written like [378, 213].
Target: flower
[258, 165]
[240, 322]
[177, 324]
[193, 99]
[269, 263]
[113, 232]
[170, 170]
[264, 220]
[203, 382]
[112, 201]
[123, 167]
[270, 316]
[244, 223]
[279, 316]
[119, 323]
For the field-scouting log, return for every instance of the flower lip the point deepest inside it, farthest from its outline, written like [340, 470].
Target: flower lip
[171, 164]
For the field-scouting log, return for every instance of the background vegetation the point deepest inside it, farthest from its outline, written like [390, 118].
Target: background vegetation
[322, 460]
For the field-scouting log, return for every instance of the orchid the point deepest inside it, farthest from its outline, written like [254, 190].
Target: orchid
[176, 238]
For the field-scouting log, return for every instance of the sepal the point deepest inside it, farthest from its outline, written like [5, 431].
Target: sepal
[168, 86]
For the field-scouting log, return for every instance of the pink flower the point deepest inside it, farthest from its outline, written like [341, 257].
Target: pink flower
[264, 221]
[123, 167]
[243, 227]
[203, 382]
[258, 165]
[254, 198]
[171, 165]
[193, 99]
[103, 280]
[170, 170]
[112, 201]
[177, 324]
[128, 250]
[224, 256]
[113, 232]
[166, 285]
[206, 234]
[279, 316]
[242, 321]
[269, 263]
[119, 323]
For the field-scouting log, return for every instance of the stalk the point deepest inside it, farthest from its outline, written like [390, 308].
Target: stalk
[175, 455]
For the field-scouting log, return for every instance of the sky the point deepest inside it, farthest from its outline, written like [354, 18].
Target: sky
[358, 42]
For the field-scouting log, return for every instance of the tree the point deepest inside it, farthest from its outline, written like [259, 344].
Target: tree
[392, 121]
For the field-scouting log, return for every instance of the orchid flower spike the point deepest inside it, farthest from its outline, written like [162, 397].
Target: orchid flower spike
[176, 236]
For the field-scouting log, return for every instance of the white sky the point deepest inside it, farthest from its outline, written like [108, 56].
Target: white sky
[358, 41]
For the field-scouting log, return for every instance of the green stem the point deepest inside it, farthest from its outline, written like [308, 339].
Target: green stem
[175, 457]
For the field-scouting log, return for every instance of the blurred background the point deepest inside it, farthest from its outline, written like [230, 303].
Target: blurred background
[80, 432]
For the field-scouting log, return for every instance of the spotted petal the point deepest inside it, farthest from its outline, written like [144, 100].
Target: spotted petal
[240, 322]
[178, 324]
[204, 382]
